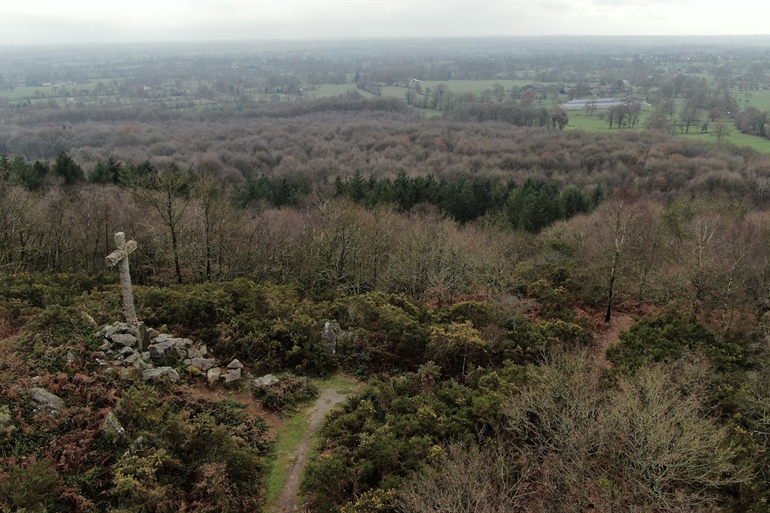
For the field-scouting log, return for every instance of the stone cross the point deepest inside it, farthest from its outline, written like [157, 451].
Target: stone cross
[120, 257]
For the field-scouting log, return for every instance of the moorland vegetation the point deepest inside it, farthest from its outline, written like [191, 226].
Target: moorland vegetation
[541, 319]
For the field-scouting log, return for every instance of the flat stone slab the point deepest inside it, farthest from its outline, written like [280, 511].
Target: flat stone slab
[265, 381]
[124, 339]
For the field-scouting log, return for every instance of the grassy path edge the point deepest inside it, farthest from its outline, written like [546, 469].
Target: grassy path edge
[290, 435]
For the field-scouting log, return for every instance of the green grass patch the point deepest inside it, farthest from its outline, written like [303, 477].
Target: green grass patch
[289, 436]
[340, 383]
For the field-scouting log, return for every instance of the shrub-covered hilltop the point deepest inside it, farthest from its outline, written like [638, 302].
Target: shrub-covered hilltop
[541, 320]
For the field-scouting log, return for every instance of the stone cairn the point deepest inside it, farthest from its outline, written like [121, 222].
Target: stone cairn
[152, 353]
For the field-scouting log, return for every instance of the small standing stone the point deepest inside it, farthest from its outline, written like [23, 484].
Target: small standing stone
[124, 340]
[113, 430]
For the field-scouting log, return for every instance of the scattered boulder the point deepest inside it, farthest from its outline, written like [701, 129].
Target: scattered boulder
[265, 381]
[136, 447]
[46, 402]
[235, 364]
[161, 375]
[113, 430]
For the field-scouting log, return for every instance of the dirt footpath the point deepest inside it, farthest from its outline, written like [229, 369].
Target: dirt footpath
[607, 334]
[327, 399]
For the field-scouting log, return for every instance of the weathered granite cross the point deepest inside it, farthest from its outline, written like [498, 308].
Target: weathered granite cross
[120, 257]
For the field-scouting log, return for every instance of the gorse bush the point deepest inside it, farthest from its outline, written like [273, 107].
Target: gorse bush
[667, 338]
[31, 488]
[192, 443]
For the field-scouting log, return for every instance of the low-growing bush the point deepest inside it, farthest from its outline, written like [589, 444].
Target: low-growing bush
[32, 488]
[666, 338]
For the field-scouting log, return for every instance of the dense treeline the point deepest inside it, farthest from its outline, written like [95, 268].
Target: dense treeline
[320, 147]
[53, 219]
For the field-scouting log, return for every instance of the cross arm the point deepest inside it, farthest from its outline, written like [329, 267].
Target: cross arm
[118, 255]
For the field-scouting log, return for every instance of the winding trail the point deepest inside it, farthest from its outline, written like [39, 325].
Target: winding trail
[328, 399]
[607, 334]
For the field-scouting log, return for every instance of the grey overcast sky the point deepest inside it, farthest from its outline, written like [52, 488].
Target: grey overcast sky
[65, 22]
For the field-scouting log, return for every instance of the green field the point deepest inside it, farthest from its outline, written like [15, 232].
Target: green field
[735, 138]
[759, 99]
[581, 119]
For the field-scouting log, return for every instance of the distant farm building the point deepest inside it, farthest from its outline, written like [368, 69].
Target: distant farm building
[602, 103]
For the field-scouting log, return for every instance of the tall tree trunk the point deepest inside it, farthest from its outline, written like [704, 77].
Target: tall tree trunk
[175, 250]
[611, 287]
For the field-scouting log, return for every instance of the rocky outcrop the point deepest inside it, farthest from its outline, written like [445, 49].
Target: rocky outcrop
[156, 354]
